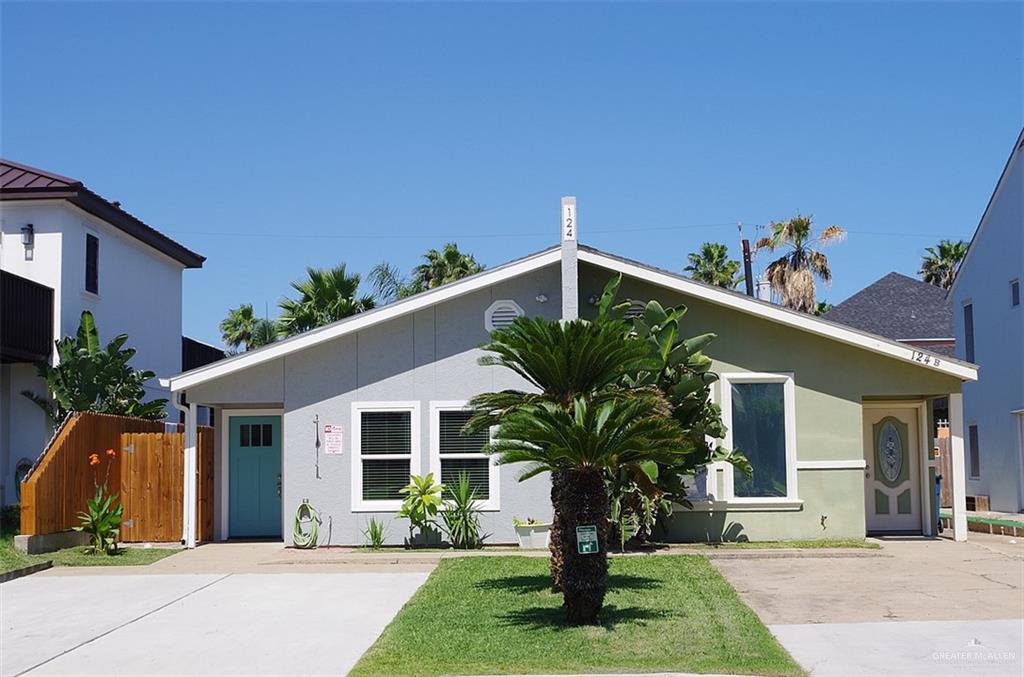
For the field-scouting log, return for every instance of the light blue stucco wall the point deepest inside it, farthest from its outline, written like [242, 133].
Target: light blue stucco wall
[996, 258]
[427, 356]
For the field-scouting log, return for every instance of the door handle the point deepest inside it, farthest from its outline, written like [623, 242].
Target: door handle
[279, 485]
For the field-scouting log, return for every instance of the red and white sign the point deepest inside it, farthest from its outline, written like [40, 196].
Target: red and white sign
[333, 438]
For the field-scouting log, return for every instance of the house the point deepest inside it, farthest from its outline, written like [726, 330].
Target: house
[989, 324]
[832, 418]
[65, 249]
[903, 309]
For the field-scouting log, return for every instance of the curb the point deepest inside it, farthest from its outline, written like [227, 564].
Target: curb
[25, 571]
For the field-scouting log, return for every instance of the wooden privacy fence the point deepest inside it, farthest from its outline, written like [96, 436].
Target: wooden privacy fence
[146, 470]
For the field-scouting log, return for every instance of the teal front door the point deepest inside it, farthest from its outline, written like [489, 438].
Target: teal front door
[254, 471]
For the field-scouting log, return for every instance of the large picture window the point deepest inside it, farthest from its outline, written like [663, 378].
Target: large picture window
[385, 452]
[759, 411]
[453, 453]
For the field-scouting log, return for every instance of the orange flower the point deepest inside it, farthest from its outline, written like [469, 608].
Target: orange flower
[94, 459]
[110, 452]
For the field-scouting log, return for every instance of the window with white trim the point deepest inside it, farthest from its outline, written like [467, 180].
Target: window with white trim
[501, 314]
[385, 452]
[453, 452]
[759, 411]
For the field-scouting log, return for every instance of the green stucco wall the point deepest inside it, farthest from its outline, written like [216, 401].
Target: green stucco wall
[831, 380]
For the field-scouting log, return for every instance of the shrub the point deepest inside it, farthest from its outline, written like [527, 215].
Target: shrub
[376, 534]
[422, 501]
[102, 517]
[461, 516]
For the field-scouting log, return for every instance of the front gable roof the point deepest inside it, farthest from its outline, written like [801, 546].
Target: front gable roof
[22, 182]
[898, 307]
[533, 262]
[1018, 150]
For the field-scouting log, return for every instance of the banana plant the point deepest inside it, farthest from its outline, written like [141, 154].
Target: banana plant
[91, 377]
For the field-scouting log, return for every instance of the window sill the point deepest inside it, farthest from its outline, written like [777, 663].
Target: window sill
[749, 505]
[90, 296]
[377, 506]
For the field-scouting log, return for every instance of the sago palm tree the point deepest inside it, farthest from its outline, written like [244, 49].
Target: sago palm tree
[940, 264]
[792, 274]
[584, 442]
[442, 267]
[562, 361]
[712, 265]
[325, 296]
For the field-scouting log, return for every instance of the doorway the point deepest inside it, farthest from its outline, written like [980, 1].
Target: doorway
[892, 476]
[254, 471]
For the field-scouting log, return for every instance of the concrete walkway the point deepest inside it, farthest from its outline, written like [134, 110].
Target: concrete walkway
[922, 607]
[198, 624]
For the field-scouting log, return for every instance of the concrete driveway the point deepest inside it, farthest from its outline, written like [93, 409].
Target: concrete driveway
[196, 624]
[916, 607]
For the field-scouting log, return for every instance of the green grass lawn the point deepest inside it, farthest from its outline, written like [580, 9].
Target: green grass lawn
[491, 615]
[11, 559]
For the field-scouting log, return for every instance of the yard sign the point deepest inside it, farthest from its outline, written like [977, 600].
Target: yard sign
[332, 439]
[586, 540]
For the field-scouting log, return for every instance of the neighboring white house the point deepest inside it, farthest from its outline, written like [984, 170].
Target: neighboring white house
[989, 323]
[65, 249]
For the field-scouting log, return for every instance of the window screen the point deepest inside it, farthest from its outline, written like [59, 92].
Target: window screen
[384, 434]
[452, 441]
[759, 432]
[92, 264]
[973, 451]
[969, 332]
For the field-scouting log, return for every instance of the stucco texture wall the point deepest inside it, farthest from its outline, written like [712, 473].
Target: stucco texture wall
[427, 356]
[831, 381]
[996, 258]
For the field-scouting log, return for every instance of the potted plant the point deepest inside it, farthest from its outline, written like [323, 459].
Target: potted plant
[532, 533]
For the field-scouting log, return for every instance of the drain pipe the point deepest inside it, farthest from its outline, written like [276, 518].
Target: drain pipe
[188, 525]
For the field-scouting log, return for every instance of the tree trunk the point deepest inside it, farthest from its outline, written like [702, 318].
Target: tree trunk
[584, 502]
[555, 534]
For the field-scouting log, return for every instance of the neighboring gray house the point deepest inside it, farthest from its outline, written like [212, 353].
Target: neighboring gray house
[989, 323]
[833, 419]
[903, 309]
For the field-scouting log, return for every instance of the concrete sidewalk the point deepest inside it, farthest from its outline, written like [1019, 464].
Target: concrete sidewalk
[226, 624]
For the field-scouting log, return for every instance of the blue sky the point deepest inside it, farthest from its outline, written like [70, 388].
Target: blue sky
[272, 136]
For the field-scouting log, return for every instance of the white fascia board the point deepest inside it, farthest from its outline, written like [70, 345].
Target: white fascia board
[803, 321]
[363, 320]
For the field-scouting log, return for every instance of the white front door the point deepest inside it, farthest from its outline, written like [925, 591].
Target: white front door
[892, 483]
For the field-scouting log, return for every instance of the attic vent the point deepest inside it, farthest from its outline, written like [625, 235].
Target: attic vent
[501, 314]
[635, 310]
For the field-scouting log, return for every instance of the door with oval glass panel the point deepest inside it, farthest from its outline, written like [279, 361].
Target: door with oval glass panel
[892, 453]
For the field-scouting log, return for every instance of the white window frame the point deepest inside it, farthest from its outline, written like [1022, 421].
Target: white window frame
[356, 426]
[493, 502]
[792, 498]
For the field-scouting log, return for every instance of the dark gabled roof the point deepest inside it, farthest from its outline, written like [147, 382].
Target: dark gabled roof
[898, 307]
[22, 182]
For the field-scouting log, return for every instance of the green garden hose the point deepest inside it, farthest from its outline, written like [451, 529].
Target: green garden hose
[306, 516]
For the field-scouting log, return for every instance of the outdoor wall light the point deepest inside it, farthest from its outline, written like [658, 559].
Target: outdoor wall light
[28, 235]
[593, 299]
[541, 298]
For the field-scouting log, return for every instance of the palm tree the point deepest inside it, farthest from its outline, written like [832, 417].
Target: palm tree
[713, 266]
[792, 275]
[236, 329]
[442, 267]
[241, 329]
[939, 267]
[561, 361]
[586, 441]
[325, 296]
[389, 285]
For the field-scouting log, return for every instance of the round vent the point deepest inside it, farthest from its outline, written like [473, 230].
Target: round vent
[501, 314]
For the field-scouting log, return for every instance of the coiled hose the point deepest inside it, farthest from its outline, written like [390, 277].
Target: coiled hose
[306, 516]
